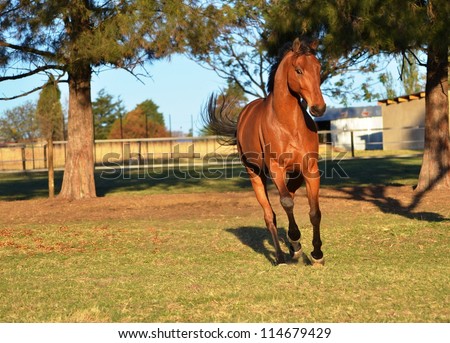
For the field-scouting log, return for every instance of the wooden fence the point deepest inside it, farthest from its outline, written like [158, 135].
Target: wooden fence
[24, 157]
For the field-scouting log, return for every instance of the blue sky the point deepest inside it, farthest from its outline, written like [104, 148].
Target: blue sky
[179, 86]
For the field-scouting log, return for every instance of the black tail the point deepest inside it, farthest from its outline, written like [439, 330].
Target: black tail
[220, 118]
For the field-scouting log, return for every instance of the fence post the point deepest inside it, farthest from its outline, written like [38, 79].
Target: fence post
[45, 156]
[352, 143]
[24, 162]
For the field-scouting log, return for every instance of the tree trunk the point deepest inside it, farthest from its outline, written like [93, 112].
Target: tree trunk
[78, 180]
[51, 169]
[435, 171]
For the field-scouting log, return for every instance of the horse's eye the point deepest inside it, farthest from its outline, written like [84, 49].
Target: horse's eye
[298, 71]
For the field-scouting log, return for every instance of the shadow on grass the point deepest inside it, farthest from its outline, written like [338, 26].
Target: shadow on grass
[199, 179]
[259, 239]
[366, 180]
[32, 185]
[376, 195]
[26, 186]
[370, 171]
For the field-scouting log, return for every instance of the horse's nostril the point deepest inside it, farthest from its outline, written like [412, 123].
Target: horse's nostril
[318, 111]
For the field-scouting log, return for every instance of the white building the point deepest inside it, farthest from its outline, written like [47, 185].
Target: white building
[364, 124]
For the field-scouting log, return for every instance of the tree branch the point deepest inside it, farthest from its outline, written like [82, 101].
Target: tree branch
[36, 89]
[32, 72]
[27, 49]
[23, 94]
[419, 62]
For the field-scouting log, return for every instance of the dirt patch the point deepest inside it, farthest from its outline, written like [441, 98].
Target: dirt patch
[434, 206]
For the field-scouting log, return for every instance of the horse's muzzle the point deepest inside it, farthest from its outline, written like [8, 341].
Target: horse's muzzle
[317, 111]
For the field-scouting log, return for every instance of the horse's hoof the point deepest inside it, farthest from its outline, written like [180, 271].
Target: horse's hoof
[317, 262]
[295, 255]
[280, 261]
[295, 249]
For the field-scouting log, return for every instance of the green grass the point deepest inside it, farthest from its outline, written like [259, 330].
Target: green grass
[198, 271]
[381, 266]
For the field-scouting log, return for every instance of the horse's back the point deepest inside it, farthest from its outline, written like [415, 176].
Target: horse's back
[248, 127]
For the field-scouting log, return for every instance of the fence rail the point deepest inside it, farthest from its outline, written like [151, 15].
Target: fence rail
[33, 156]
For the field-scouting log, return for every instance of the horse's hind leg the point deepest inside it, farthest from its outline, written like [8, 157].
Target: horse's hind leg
[259, 186]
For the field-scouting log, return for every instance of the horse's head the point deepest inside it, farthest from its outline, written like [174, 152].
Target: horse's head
[304, 76]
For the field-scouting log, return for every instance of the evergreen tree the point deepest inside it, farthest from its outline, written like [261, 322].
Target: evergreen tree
[387, 80]
[72, 38]
[372, 28]
[410, 76]
[49, 112]
[50, 120]
[150, 110]
[105, 111]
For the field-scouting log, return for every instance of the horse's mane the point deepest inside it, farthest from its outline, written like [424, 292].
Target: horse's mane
[305, 49]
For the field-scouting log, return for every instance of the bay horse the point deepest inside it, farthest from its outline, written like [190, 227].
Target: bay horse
[277, 138]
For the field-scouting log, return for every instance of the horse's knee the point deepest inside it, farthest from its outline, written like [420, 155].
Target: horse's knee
[287, 202]
[270, 219]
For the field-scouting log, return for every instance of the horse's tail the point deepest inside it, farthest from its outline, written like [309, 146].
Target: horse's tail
[220, 116]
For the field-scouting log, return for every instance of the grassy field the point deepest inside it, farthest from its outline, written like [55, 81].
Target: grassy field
[195, 250]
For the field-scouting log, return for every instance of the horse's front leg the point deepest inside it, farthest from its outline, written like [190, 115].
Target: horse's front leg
[312, 180]
[286, 190]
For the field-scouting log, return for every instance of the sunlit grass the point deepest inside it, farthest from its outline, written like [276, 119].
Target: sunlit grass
[199, 271]
[380, 267]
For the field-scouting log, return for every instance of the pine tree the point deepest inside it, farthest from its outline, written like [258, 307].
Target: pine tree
[105, 111]
[410, 76]
[73, 38]
[371, 28]
[49, 116]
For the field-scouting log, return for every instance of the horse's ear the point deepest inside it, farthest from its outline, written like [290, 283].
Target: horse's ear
[296, 45]
[314, 45]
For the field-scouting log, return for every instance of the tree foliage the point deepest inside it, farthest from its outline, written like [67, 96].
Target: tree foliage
[244, 52]
[106, 111]
[150, 109]
[406, 80]
[19, 123]
[70, 39]
[374, 27]
[411, 78]
[49, 114]
[145, 121]
[387, 80]
[238, 53]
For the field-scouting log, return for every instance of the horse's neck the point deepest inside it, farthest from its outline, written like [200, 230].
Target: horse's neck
[286, 106]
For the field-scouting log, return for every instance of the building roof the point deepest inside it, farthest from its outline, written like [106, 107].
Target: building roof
[350, 112]
[403, 98]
